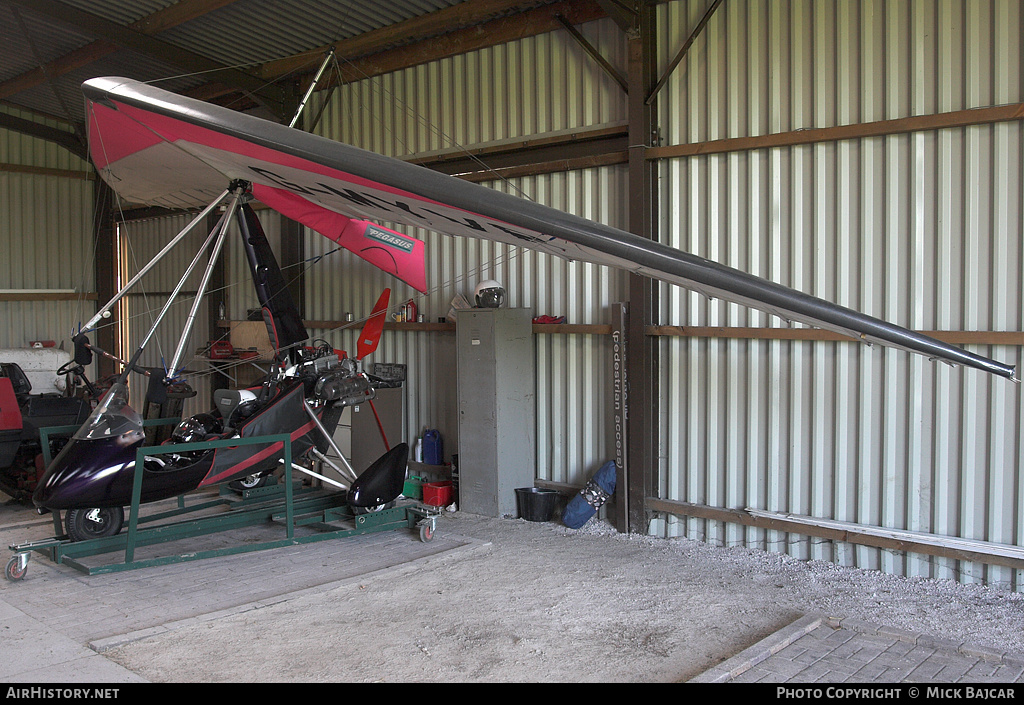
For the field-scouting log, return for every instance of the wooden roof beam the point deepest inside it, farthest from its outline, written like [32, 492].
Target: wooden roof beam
[444, 33]
[169, 17]
[275, 98]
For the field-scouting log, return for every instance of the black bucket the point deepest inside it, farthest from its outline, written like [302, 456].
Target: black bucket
[536, 504]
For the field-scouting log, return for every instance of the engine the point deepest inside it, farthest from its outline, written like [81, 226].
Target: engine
[339, 386]
[330, 380]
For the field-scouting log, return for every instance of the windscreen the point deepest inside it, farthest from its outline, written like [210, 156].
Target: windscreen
[112, 417]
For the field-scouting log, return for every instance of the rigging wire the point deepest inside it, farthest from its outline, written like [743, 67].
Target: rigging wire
[376, 85]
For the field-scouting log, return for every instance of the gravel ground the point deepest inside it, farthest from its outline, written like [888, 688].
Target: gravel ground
[542, 603]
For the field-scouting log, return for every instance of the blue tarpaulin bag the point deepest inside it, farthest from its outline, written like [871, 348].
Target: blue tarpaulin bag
[596, 492]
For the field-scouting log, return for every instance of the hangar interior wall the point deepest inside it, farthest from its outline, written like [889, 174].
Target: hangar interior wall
[531, 87]
[923, 228]
[46, 226]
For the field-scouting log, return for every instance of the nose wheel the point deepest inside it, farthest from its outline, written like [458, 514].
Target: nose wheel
[94, 523]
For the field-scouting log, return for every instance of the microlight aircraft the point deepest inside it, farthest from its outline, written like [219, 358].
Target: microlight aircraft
[155, 147]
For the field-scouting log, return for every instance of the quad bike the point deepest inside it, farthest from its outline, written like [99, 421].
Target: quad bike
[23, 414]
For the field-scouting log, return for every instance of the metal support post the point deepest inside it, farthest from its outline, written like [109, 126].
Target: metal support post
[642, 362]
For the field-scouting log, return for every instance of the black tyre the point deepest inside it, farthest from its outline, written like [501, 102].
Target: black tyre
[250, 482]
[374, 508]
[94, 523]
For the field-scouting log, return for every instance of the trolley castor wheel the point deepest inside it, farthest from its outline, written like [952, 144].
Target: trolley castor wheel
[16, 567]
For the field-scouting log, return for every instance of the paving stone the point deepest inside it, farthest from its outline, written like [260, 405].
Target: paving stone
[851, 651]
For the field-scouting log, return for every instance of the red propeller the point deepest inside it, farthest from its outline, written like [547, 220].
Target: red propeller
[369, 338]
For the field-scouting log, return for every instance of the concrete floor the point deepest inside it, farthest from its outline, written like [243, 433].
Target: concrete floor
[53, 635]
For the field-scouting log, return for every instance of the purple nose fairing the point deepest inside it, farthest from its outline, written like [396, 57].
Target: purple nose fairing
[97, 466]
[86, 473]
[100, 473]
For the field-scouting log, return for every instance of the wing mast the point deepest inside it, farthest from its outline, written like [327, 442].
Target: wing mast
[282, 317]
[284, 322]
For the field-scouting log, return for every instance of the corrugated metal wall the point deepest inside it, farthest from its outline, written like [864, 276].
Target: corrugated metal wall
[923, 229]
[46, 227]
[530, 87]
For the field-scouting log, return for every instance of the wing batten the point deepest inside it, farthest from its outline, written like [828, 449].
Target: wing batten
[359, 184]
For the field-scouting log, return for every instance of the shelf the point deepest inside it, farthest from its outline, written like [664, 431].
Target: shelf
[811, 334]
[548, 328]
[433, 327]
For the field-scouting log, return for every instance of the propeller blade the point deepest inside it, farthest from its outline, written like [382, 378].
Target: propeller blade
[369, 338]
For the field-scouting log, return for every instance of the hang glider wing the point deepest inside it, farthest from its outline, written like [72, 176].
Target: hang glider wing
[159, 148]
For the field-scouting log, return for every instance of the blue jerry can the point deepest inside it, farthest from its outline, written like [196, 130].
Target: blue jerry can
[432, 448]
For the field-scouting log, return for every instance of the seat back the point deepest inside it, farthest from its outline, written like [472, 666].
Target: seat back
[10, 412]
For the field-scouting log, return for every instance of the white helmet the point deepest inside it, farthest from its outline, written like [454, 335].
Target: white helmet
[489, 294]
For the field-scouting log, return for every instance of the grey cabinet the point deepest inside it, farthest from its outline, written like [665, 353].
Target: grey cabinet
[497, 416]
[358, 437]
[367, 444]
